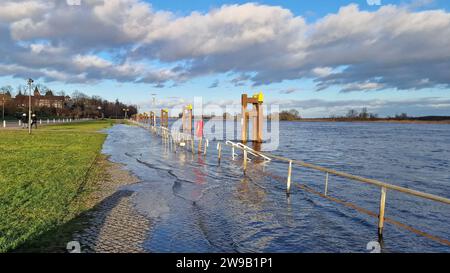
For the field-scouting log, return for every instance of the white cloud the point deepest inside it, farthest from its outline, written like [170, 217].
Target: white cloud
[392, 47]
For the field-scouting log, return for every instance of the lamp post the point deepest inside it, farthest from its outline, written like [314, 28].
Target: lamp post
[126, 110]
[30, 85]
[100, 110]
[3, 105]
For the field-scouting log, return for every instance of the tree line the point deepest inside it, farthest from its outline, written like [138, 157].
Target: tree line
[77, 105]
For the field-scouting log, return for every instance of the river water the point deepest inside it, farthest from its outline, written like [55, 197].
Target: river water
[196, 204]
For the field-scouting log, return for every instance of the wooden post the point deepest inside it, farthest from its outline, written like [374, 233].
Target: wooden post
[245, 161]
[288, 188]
[244, 123]
[326, 184]
[257, 116]
[254, 115]
[260, 120]
[382, 208]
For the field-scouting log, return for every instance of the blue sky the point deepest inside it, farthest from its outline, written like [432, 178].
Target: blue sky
[292, 86]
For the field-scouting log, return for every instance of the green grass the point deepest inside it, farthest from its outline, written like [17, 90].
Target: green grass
[42, 175]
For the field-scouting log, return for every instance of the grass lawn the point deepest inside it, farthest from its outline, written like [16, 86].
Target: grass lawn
[43, 177]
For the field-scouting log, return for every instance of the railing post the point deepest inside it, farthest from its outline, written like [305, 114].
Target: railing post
[219, 147]
[206, 145]
[382, 208]
[4, 124]
[288, 188]
[232, 152]
[245, 161]
[326, 184]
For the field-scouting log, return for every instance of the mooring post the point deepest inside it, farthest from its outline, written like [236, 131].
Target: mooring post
[288, 188]
[382, 208]
[244, 123]
[326, 184]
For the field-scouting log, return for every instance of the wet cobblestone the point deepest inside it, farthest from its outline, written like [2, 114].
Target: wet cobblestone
[114, 226]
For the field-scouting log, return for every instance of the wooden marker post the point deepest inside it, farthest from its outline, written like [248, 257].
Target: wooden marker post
[164, 118]
[256, 114]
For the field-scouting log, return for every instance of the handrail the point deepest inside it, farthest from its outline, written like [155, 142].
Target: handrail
[362, 179]
[178, 136]
[249, 150]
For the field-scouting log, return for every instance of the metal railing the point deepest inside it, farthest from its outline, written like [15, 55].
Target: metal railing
[177, 137]
[384, 187]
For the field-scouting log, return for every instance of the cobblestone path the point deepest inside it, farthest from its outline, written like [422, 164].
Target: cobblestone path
[114, 226]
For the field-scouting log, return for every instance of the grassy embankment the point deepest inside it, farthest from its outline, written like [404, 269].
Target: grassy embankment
[45, 178]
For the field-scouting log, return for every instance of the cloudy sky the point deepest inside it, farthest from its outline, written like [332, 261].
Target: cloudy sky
[322, 57]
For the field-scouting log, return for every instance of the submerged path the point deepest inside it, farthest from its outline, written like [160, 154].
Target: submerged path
[191, 203]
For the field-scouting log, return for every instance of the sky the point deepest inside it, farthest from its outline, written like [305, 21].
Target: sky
[320, 57]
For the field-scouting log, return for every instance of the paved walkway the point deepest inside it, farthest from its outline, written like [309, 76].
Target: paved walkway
[114, 226]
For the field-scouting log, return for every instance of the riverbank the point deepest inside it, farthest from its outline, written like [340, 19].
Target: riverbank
[48, 178]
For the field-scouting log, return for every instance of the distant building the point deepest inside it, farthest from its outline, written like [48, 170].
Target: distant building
[37, 100]
[5, 97]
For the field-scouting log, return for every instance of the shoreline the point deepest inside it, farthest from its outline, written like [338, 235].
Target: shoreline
[375, 121]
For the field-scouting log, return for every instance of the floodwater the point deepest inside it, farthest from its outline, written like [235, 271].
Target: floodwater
[198, 205]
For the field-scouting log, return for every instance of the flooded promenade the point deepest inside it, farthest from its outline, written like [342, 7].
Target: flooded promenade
[191, 203]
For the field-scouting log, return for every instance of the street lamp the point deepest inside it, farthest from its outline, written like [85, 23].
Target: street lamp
[30, 84]
[126, 110]
[100, 110]
[3, 105]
